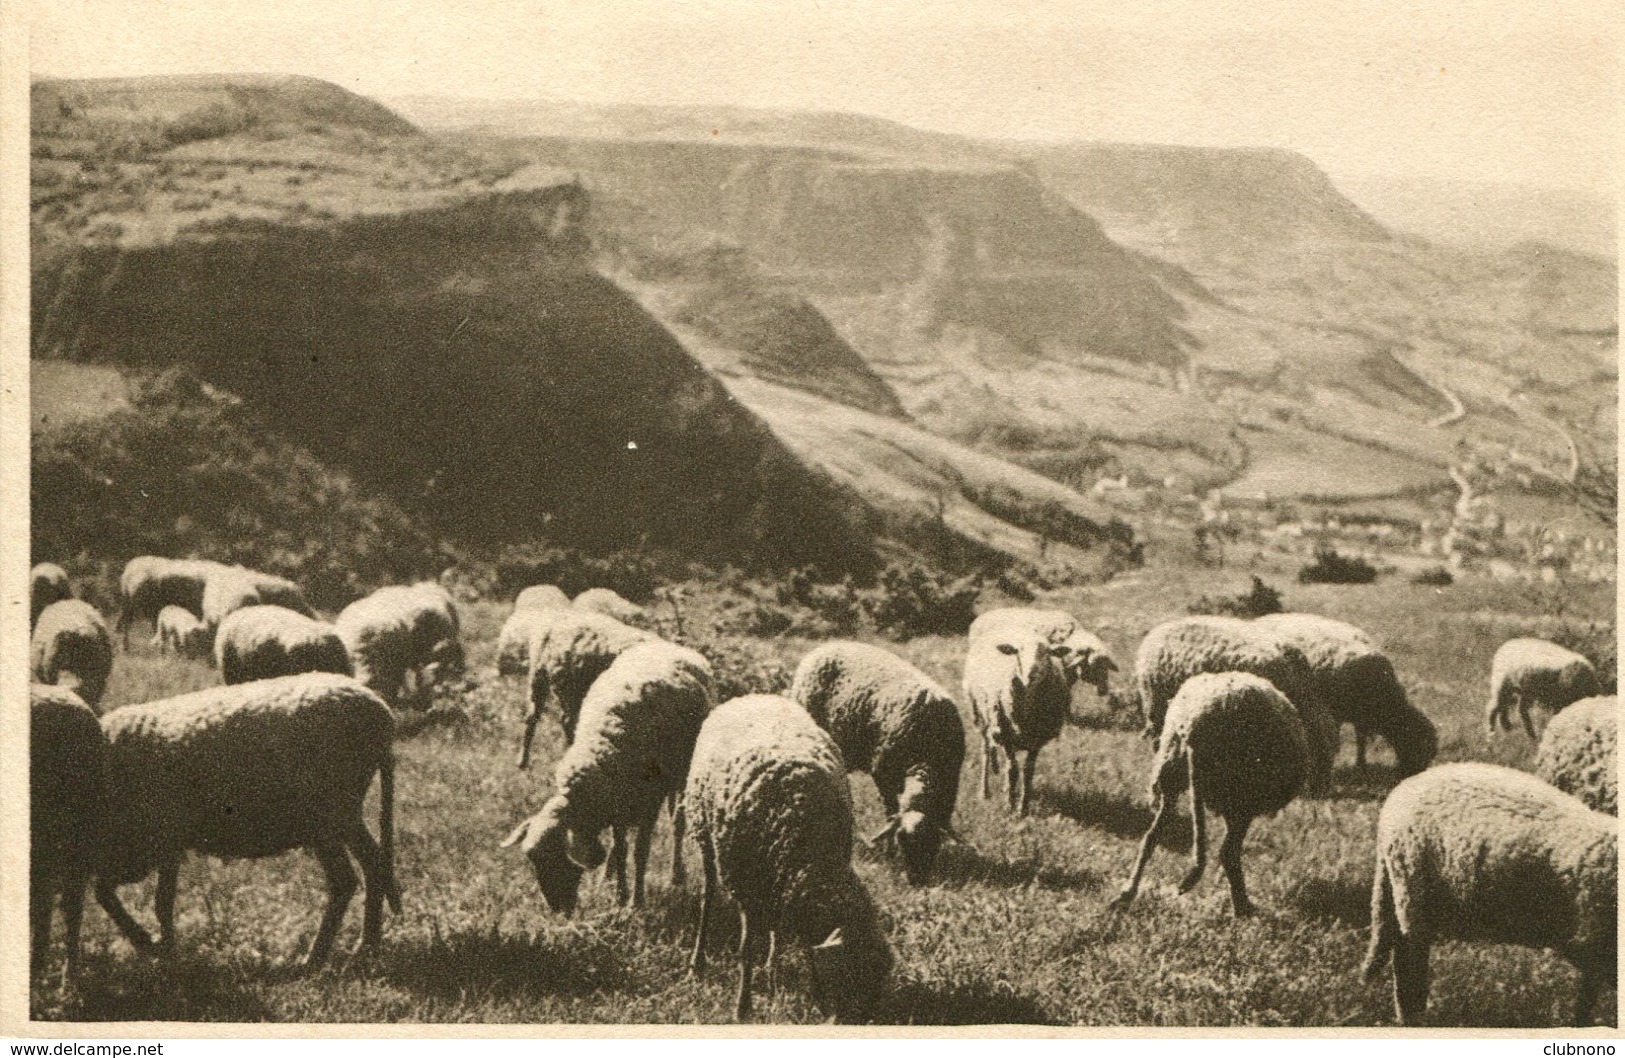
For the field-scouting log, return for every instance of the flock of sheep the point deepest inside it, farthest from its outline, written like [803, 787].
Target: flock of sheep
[1244, 716]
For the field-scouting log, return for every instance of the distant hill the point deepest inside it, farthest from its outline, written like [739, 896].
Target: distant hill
[1489, 216]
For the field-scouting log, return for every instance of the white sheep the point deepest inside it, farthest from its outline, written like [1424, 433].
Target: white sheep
[513, 642]
[1176, 650]
[150, 583]
[180, 631]
[66, 750]
[568, 650]
[261, 642]
[1087, 660]
[1240, 747]
[608, 602]
[770, 808]
[47, 583]
[894, 722]
[1525, 672]
[1577, 752]
[1479, 852]
[1357, 682]
[541, 597]
[630, 754]
[248, 771]
[232, 588]
[72, 647]
[1019, 692]
[397, 632]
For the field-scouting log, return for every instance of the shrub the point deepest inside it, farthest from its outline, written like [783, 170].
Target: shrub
[911, 600]
[1329, 567]
[1257, 601]
[1435, 575]
[739, 667]
[634, 574]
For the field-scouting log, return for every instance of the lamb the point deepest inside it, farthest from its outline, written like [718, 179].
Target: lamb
[1019, 692]
[768, 801]
[631, 753]
[608, 602]
[1577, 752]
[1176, 650]
[150, 583]
[180, 631]
[72, 647]
[1527, 671]
[1087, 661]
[892, 721]
[1476, 851]
[1357, 682]
[261, 642]
[232, 588]
[540, 597]
[1239, 745]
[66, 750]
[399, 631]
[567, 651]
[47, 583]
[248, 771]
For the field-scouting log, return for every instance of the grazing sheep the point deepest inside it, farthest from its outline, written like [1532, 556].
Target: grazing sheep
[1577, 752]
[400, 631]
[608, 602]
[769, 804]
[234, 587]
[1475, 851]
[47, 583]
[72, 647]
[249, 771]
[1236, 741]
[180, 631]
[262, 642]
[540, 597]
[1527, 671]
[1019, 692]
[892, 721]
[1176, 650]
[1357, 682]
[513, 642]
[66, 747]
[631, 753]
[150, 583]
[568, 650]
[1087, 659]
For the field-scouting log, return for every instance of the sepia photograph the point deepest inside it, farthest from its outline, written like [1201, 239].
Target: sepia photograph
[1059, 515]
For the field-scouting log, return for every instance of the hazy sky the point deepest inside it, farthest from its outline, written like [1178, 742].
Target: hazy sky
[1506, 90]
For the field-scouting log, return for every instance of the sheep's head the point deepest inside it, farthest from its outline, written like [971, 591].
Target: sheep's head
[1032, 654]
[848, 974]
[1415, 741]
[1095, 669]
[558, 855]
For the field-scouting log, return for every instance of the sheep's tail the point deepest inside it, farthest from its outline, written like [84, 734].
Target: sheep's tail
[1384, 923]
[386, 827]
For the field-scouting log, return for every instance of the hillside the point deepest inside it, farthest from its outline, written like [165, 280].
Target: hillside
[430, 319]
[1483, 215]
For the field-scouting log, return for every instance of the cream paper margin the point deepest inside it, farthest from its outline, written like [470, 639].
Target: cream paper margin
[14, 565]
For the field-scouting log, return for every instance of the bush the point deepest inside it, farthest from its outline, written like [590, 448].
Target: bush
[1329, 567]
[739, 667]
[1435, 575]
[1261, 599]
[911, 600]
[634, 574]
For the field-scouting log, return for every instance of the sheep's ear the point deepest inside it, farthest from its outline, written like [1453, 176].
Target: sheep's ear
[1060, 650]
[1107, 664]
[1008, 648]
[836, 939]
[884, 832]
[585, 850]
[518, 833]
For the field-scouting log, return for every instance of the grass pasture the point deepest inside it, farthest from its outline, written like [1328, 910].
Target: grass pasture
[1013, 929]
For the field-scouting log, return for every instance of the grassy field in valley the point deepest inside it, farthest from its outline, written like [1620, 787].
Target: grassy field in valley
[1013, 928]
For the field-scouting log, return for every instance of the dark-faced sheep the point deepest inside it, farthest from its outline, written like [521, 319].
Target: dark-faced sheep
[569, 649]
[263, 642]
[892, 721]
[1527, 672]
[250, 771]
[1020, 694]
[72, 647]
[150, 583]
[47, 583]
[770, 808]
[399, 632]
[233, 588]
[66, 750]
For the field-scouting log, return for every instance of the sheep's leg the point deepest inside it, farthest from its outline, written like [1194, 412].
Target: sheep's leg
[1235, 832]
[107, 896]
[531, 719]
[169, 875]
[1410, 979]
[1528, 724]
[989, 762]
[679, 827]
[1586, 1000]
[1012, 775]
[1028, 766]
[41, 903]
[617, 863]
[1384, 923]
[742, 1007]
[341, 887]
[708, 882]
[1147, 845]
[73, 911]
[1198, 827]
[640, 855]
[772, 961]
[374, 876]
